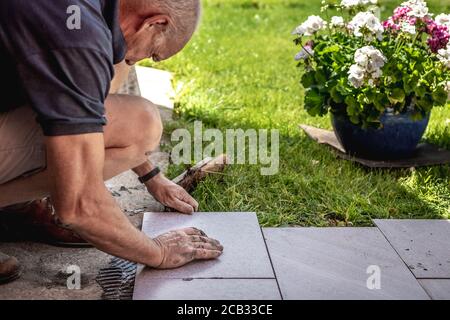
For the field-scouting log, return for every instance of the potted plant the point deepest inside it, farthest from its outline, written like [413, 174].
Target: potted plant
[378, 79]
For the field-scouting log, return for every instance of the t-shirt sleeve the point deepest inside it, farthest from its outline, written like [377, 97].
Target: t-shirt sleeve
[67, 89]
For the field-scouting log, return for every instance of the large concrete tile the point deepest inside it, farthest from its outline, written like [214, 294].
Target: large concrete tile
[437, 289]
[156, 86]
[207, 289]
[333, 263]
[424, 245]
[245, 254]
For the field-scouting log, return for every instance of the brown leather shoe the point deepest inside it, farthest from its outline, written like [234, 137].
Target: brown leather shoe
[9, 268]
[37, 219]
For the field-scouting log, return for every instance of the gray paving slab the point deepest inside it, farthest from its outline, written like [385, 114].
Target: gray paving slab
[424, 245]
[339, 263]
[437, 289]
[245, 254]
[207, 289]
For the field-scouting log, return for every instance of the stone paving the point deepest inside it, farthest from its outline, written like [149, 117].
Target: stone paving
[244, 271]
[424, 245]
[305, 263]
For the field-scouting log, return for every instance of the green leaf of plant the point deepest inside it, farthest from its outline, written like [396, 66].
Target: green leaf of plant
[381, 102]
[420, 90]
[320, 76]
[335, 95]
[425, 103]
[308, 79]
[330, 49]
[397, 96]
[352, 106]
[314, 102]
[440, 96]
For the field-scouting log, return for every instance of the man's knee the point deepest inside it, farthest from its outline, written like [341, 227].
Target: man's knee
[149, 125]
[132, 121]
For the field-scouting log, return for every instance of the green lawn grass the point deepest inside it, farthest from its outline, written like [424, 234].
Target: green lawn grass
[238, 72]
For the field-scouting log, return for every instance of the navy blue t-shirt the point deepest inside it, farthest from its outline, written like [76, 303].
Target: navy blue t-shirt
[60, 71]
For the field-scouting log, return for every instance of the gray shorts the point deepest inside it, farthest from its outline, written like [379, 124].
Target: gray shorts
[22, 148]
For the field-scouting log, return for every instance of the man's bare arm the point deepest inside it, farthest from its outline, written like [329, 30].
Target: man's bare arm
[121, 72]
[83, 203]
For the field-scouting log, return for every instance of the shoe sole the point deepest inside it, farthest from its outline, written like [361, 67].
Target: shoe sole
[11, 278]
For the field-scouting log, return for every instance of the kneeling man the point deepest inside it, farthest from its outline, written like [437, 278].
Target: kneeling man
[62, 135]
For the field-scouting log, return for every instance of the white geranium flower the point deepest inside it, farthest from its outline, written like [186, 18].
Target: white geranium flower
[443, 20]
[354, 3]
[306, 53]
[310, 26]
[444, 56]
[367, 25]
[356, 75]
[368, 64]
[419, 8]
[361, 58]
[337, 21]
[350, 3]
[370, 58]
[300, 30]
[408, 28]
[377, 74]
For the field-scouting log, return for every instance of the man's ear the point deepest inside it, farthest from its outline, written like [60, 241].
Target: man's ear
[158, 21]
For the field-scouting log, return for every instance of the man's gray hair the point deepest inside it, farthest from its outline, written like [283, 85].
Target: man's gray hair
[185, 14]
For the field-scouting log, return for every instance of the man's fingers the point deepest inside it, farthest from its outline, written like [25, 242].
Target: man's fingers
[203, 239]
[193, 203]
[194, 232]
[207, 246]
[204, 254]
[186, 197]
[182, 207]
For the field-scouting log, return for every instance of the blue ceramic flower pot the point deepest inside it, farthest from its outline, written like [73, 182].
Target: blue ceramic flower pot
[397, 139]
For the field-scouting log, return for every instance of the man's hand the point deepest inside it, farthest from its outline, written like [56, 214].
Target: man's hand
[183, 246]
[171, 195]
[76, 167]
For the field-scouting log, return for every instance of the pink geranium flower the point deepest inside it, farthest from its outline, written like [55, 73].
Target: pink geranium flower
[440, 35]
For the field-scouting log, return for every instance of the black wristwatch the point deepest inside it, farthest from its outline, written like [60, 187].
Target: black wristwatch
[149, 176]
